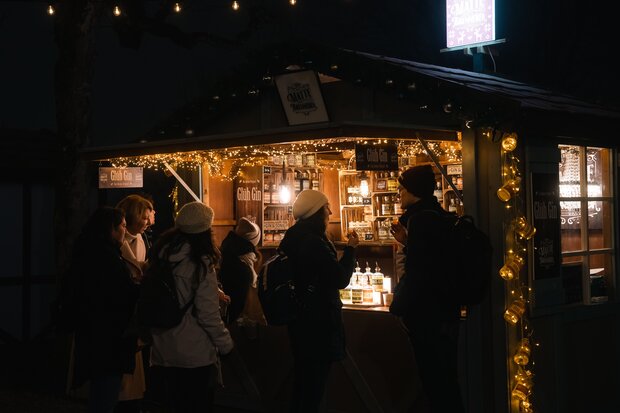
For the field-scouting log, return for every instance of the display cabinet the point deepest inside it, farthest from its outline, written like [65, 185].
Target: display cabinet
[282, 181]
[369, 203]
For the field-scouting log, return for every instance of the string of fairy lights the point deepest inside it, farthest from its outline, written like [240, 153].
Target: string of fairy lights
[177, 7]
[518, 232]
[227, 163]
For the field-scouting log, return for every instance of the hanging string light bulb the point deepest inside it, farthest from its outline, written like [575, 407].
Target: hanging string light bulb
[235, 5]
[50, 9]
[513, 314]
[512, 267]
[522, 356]
[509, 142]
[292, 2]
[509, 189]
[116, 11]
[524, 228]
[177, 7]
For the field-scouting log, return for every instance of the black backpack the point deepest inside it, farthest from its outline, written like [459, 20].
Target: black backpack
[158, 303]
[469, 269]
[276, 290]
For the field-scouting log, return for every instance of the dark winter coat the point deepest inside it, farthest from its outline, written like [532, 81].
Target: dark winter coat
[425, 251]
[106, 301]
[235, 275]
[318, 333]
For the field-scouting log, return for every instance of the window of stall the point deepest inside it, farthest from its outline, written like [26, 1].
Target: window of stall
[587, 223]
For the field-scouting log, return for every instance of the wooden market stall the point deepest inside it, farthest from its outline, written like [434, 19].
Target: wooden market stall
[346, 123]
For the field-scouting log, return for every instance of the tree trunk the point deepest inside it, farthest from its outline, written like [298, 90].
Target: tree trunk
[75, 22]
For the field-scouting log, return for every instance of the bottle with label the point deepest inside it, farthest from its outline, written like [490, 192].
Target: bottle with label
[452, 206]
[356, 288]
[392, 183]
[367, 297]
[386, 206]
[438, 192]
[377, 278]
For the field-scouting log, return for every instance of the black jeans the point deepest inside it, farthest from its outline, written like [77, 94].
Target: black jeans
[309, 384]
[189, 390]
[435, 346]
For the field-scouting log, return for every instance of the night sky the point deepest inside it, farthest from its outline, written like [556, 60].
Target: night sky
[565, 46]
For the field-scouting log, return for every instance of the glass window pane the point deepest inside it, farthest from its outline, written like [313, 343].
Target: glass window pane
[570, 226]
[570, 171]
[601, 277]
[598, 170]
[572, 276]
[600, 224]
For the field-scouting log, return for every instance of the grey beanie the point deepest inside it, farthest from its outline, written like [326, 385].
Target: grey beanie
[194, 218]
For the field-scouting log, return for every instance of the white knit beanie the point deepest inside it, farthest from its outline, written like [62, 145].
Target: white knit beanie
[248, 230]
[194, 218]
[307, 203]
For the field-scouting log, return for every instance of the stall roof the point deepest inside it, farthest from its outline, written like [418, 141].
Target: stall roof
[548, 109]
[528, 96]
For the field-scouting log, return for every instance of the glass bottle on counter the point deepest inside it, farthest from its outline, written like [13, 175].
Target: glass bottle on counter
[377, 278]
[356, 288]
[367, 297]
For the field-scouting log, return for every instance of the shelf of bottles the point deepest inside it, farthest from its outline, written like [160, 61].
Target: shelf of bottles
[283, 178]
[369, 203]
[367, 289]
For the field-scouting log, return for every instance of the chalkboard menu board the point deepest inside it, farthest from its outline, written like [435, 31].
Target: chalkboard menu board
[376, 157]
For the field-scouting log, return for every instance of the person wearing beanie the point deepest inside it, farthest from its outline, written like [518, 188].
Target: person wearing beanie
[240, 261]
[420, 299]
[187, 355]
[317, 335]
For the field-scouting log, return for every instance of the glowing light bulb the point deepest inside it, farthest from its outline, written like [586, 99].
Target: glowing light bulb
[292, 2]
[522, 357]
[50, 10]
[509, 189]
[511, 268]
[235, 5]
[509, 142]
[285, 194]
[116, 11]
[177, 7]
[514, 312]
[364, 190]
[521, 391]
[524, 228]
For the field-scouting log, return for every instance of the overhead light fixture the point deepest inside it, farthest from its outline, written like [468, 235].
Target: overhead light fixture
[364, 189]
[285, 191]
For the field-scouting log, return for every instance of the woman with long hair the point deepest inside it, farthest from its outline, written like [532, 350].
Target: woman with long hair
[105, 348]
[188, 355]
[317, 335]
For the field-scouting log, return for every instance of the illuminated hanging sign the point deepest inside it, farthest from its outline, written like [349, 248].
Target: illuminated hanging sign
[130, 177]
[376, 157]
[469, 23]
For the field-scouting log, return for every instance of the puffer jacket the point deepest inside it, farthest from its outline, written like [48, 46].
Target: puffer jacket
[318, 332]
[201, 335]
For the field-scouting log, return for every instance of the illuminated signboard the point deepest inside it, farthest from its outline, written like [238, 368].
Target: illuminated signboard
[120, 177]
[469, 23]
